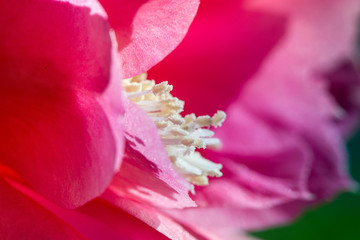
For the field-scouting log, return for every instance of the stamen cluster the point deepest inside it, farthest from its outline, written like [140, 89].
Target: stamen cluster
[181, 136]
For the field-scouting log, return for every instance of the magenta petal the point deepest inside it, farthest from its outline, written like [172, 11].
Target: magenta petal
[57, 53]
[146, 173]
[62, 144]
[59, 111]
[153, 217]
[96, 220]
[223, 49]
[100, 220]
[22, 218]
[148, 30]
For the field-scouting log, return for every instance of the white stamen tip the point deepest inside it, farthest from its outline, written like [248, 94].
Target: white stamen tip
[218, 119]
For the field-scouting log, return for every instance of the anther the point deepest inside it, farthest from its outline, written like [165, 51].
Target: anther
[218, 119]
[162, 88]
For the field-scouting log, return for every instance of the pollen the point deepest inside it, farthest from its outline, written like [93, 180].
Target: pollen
[181, 135]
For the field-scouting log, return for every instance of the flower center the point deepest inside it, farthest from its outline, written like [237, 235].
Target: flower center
[181, 136]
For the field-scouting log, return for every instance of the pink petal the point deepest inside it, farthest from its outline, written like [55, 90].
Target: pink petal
[225, 222]
[317, 36]
[61, 143]
[330, 171]
[182, 226]
[58, 113]
[146, 173]
[57, 53]
[121, 224]
[153, 217]
[262, 183]
[302, 106]
[148, 30]
[96, 220]
[284, 155]
[263, 165]
[23, 218]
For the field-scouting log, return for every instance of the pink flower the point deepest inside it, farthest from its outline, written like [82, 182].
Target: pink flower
[282, 72]
[81, 161]
[63, 112]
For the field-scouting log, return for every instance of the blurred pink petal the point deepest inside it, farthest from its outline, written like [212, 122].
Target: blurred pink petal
[266, 65]
[148, 30]
[230, 220]
[317, 37]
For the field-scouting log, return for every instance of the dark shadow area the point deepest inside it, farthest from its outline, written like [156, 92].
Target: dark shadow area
[135, 140]
[344, 86]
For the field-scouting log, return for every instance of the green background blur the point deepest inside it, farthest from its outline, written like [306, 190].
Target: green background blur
[337, 220]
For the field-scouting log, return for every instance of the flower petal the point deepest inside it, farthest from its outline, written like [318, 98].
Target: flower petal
[122, 225]
[60, 143]
[152, 216]
[148, 30]
[223, 49]
[146, 173]
[303, 107]
[227, 221]
[173, 226]
[58, 113]
[23, 218]
[279, 109]
[317, 36]
[57, 53]
[96, 220]
[262, 165]
[274, 159]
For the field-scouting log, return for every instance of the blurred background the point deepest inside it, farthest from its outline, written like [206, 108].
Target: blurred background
[335, 220]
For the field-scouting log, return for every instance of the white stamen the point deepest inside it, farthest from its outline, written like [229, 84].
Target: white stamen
[202, 133]
[180, 135]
